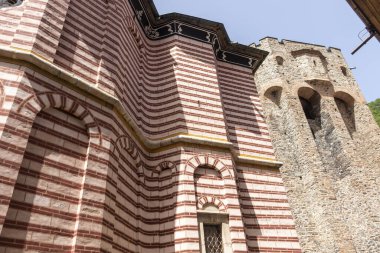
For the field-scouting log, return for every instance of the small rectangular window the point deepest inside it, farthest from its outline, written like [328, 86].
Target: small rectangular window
[213, 238]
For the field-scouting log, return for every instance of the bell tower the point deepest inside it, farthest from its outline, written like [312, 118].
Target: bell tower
[329, 142]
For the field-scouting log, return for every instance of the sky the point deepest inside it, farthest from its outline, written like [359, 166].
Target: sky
[325, 22]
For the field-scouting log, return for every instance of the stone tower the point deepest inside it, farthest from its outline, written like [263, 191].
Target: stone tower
[329, 142]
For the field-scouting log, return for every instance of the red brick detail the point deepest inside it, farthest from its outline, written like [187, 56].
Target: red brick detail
[208, 200]
[126, 143]
[45, 100]
[203, 160]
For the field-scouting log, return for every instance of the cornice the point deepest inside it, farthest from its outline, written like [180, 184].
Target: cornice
[157, 27]
[38, 63]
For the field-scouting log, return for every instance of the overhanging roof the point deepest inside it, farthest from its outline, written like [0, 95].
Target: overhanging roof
[369, 12]
[157, 27]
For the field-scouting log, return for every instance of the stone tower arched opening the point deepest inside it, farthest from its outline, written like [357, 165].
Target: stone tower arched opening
[311, 104]
[346, 106]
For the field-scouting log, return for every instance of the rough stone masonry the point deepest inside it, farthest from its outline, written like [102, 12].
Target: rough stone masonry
[125, 131]
[325, 134]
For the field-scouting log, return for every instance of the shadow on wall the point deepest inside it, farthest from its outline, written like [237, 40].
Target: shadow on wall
[168, 190]
[243, 112]
[248, 208]
[49, 181]
[79, 48]
[159, 217]
[346, 107]
[145, 201]
[123, 63]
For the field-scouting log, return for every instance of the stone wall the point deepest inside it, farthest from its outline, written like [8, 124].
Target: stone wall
[324, 133]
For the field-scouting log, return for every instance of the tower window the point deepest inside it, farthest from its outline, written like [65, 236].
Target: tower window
[213, 238]
[280, 60]
[311, 105]
[344, 71]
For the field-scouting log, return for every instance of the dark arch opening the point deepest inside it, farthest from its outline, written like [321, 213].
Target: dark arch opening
[311, 105]
[347, 113]
[280, 60]
[344, 71]
[308, 109]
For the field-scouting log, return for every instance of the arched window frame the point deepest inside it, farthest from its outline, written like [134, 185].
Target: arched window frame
[210, 216]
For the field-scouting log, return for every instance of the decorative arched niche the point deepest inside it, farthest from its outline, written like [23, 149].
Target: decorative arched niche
[311, 104]
[346, 106]
[210, 177]
[125, 145]
[274, 94]
[52, 171]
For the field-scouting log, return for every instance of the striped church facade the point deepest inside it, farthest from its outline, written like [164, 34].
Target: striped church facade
[119, 129]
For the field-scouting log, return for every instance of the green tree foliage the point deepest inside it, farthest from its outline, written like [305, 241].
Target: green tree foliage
[375, 108]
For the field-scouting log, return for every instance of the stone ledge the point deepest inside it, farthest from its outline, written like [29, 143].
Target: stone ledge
[76, 82]
[259, 161]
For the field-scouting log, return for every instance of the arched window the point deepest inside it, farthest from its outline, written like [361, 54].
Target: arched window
[213, 230]
[9, 3]
[311, 105]
[345, 104]
[213, 222]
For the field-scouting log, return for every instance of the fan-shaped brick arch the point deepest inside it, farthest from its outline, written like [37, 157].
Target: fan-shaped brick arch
[165, 165]
[209, 161]
[125, 143]
[33, 104]
[209, 200]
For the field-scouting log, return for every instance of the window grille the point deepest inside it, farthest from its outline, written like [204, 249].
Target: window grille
[213, 238]
[9, 3]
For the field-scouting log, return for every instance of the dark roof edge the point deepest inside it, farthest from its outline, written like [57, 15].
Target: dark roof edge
[217, 28]
[356, 8]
